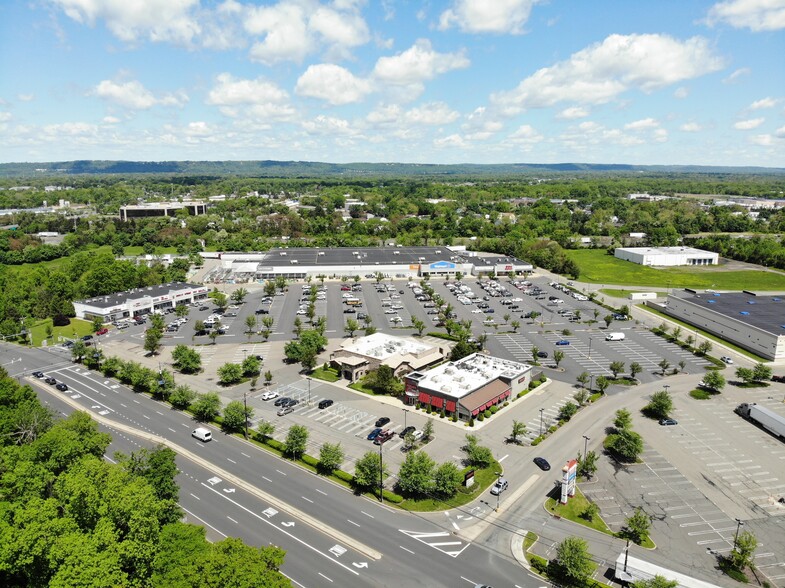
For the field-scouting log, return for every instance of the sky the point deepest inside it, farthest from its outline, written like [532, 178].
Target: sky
[452, 81]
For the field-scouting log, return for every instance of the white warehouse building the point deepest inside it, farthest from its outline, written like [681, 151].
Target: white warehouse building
[140, 301]
[667, 256]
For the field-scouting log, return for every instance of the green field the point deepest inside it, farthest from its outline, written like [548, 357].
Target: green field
[77, 328]
[619, 293]
[597, 267]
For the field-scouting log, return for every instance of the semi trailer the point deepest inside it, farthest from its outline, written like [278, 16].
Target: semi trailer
[766, 418]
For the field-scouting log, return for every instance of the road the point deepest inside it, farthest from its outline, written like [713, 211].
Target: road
[415, 550]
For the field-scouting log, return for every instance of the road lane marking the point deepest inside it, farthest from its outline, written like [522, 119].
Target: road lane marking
[352, 522]
[503, 458]
[229, 459]
[145, 416]
[366, 514]
[245, 454]
[171, 429]
[194, 495]
[325, 577]
[280, 472]
[203, 521]
[409, 550]
[266, 478]
[231, 519]
[320, 492]
[308, 499]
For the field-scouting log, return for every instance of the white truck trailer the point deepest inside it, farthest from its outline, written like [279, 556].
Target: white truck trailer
[766, 418]
[630, 569]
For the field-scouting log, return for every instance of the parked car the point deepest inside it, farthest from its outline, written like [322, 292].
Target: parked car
[262, 311]
[542, 354]
[542, 463]
[666, 422]
[284, 410]
[269, 395]
[562, 342]
[204, 308]
[281, 401]
[51, 381]
[102, 331]
[291, 402]
[374, 434]
[62, 387]
[499, 486]
[780, 379]
[403, 433]
[325, 403]
[38, 375]
[417, 435]
[383, 437]
[87, 337]
[382, 421]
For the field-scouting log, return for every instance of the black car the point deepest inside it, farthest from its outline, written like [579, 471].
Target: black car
[51, 381]
[282, 400]
[666, 422]
[325, 403]
[291, 402]
[382, 421]
[87, 337]
[62, 387]
[349, 310]
[38, 375]
[262, 311]
[403, 433]
[776, 378]
[542, 463]
[204, 308]
[542, 354]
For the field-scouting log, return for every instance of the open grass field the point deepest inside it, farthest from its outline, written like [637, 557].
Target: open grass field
[597, 267]
[77, 328]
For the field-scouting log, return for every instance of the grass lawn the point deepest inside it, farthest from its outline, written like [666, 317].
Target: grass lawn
[360, 388]
[617, 293]
[328, 375]
[572, 512]
[77, 328]
[597, 267]
[482, 480]
[701, 394]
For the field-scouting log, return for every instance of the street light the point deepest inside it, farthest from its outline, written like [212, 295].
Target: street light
[585, 446]
[381, 475]
[739, 525]
[245, 412]
[590, 341]
[405, 412]
[498, 495]
[309, 391]
[591, 383]
[666, 387]
[541, 411]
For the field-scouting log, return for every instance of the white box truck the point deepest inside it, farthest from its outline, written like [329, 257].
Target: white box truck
[614, 337]
[766, 418]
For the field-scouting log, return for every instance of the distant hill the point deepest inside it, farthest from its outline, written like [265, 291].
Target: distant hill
[293, 169]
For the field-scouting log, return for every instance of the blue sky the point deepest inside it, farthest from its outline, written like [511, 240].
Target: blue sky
[452, 81]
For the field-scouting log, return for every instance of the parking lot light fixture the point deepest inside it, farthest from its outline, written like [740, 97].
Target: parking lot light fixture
[405, 412]
[739, 525]
[498, 495]
[541, 411]
[381, 475]
[309, 391]
[585, 446]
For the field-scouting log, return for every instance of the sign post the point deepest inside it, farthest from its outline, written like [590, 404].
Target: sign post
[569, 474]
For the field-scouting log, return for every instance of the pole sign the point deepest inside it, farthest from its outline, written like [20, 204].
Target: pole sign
[569, 475]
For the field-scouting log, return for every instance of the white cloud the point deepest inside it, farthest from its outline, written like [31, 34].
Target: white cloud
[681, 93]
[756, 15]
[130, 20]
[257, 98]
[25, 97]
[332, 83]
[762, 140]
[343, 29]
[71, 129]
[134, 96]
[767, 102]
[434, 113]
[691, 127]
[526, 134]
[660, 135]
[642, 124]
[603, 71]
[417, 64]
[733, 78]
[482, 16]
[110, 120]
[328, 125]
[455, 141]
[780, 132]
[746, 125]
[384, 114]
[573, 112]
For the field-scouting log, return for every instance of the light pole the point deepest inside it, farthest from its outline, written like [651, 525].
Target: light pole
[590, 341]
[381, 475]
[666, 387]
[585, 446]
[541, 411]
[739, 525]
[309, 391]
[405, 412]
[498, 495]
[245, 412]
[591, 383]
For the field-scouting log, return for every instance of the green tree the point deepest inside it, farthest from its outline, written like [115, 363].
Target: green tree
[298, 326]
[331, 456]
[152, 340]
[516, 324]
[383, 381]
[657, 581]
[250, 325]
[626, 443]
[602, 383]
[567, 411]
[477, 455]
[587, 466]
[622, 420]
[581, 396]
[97, 324]
[230, 373]
[159, 468]
[446, 479]
[427, 431]
[415, 476]
[296, 440]
[558, 356]
[572, 565]
[518, 430]
[251, 366]
[616, 368]
[743, 554]
[714, 380]
[664, 365]
[705, 347]
[78, 350]
[199, 327]
[268, 377]
[351, 327]
[461, 349]
[238, 296]
[269, 288]
[220, 300]
[660, 405]
[608, 318]
[535, 350]
[235, 416]
[746, 375]
[157, 322]
[583, 379]
[206, 407]
[265, 430]
[186, 359]
[268, 321]
[182, 310]
[761, 372]
[368, 471]
[419, 325]
[182, 397]
[592, 510]
[635, 369]
[637, 526]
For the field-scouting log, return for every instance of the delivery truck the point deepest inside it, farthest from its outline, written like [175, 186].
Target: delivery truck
[766, 418]
[614, 337]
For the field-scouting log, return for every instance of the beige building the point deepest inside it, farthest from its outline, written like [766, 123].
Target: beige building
[361, 355]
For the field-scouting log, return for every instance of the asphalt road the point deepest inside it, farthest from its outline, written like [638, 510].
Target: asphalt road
[416, 550]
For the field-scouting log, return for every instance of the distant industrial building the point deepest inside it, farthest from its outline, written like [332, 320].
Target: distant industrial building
[357, 357]
[667, 256]
[132, 303]
[161, 209]
[469, 386]
[751, 321]
[392, 261]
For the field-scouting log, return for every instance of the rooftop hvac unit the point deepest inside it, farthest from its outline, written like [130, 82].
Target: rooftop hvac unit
[445, 388]
[448, 370]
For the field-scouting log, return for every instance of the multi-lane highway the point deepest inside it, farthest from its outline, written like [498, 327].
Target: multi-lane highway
[233, 488]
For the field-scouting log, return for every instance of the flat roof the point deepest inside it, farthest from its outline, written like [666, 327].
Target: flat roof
[666, 250]
[382, 346]
[119, 298]
[358, 256]
[459, 378]
[765, 312]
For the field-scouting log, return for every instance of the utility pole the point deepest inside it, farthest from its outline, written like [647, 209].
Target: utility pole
[585, 446]
[381, 475]
[541, 411]
[245, 412]
[739, 525]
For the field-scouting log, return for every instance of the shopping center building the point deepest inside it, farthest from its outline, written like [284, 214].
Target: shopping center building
[132, 303]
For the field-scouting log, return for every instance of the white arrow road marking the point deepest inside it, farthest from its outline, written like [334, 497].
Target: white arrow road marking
[362, 564]
[288, 524]
[228, 490]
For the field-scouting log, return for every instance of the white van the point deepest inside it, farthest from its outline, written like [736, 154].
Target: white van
[202, 434]
[614, 337]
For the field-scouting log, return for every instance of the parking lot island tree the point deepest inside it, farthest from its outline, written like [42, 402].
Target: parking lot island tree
[622, 419]
[230, 373]
[477, 455]
[558, 356]
[235, 416]
[186, 360]
[446, 479]
[660, 405]
[251, 366]
[602, 383]
[416, 474]
[351, 327]
[714, 380]
[587, 466]
[265, 430]
[518, 430]
[427, 431]
[637, 526]
[635, 369]
[743, 554]
[761, 372]
[626, 444]
[583, 379]
[182, 397]
[295, 442]
[331, 456]
[368, 470]
[616, 368]
[152, 340]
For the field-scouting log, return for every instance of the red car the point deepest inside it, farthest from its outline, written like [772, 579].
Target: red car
[103, 331]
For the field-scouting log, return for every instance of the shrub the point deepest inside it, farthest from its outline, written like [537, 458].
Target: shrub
[537, 441]
[441, 415]
[487, 413]
[471, 422]
[480, 417]
[454, 418]
[539, 564]
[275, 444]
[494, 409]
[506, 403]
[342, 475]
[392, 497]
[311, 461]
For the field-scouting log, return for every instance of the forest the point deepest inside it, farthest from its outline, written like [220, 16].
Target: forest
[69, 517]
